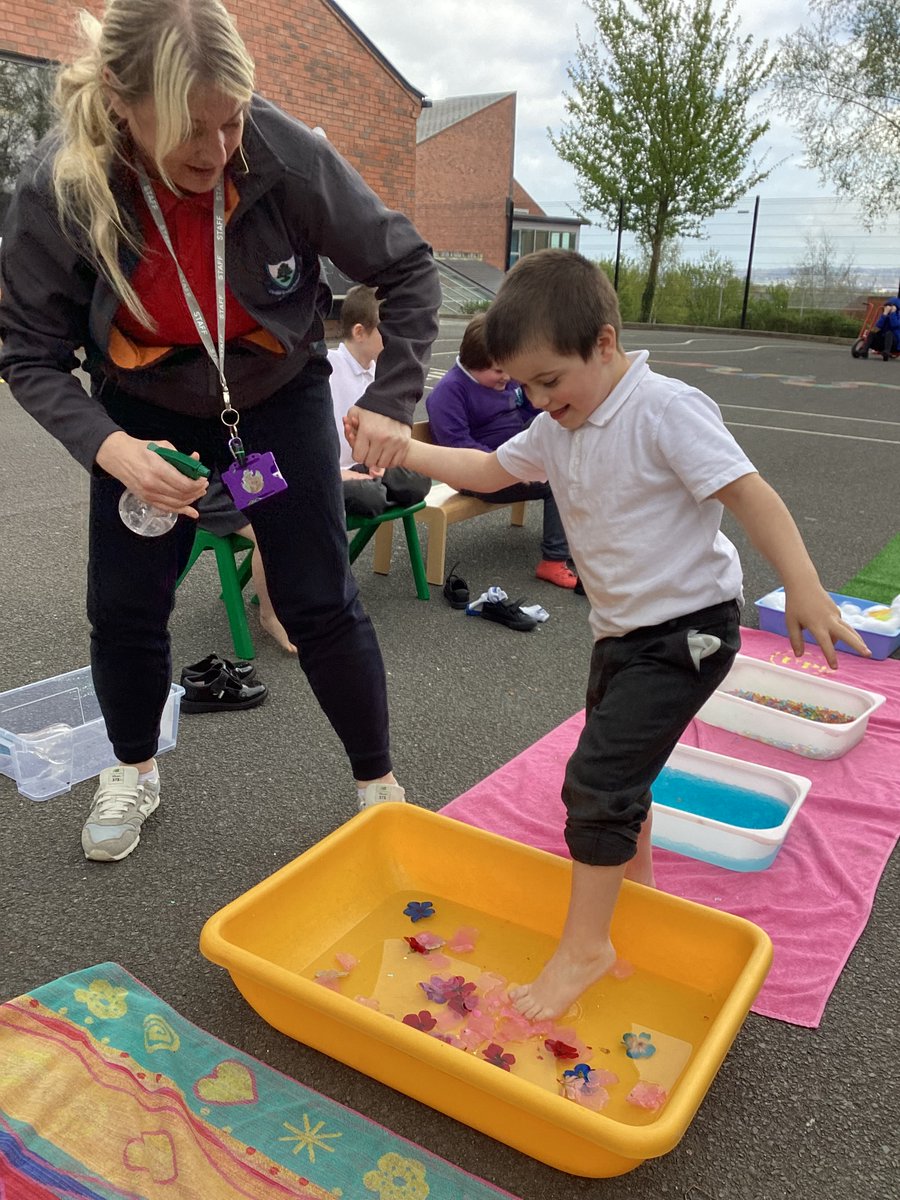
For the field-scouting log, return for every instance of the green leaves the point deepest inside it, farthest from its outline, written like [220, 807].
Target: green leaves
[837, 83]
[657, 115]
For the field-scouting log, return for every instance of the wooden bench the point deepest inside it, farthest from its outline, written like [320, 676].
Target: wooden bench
[443, 507]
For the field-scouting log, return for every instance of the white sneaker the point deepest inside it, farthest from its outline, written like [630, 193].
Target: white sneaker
[381, 793]
[120, 806]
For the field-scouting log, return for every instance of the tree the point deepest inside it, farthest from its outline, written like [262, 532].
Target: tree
[837, 81]
[822, 278]
[658, 117]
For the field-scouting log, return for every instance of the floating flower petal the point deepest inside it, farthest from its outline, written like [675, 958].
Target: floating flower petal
[495, 1055]
[638, 1045]
[561, 1049]
[421, 1020]
[419, 910]
[330, 978]
[647, 1095]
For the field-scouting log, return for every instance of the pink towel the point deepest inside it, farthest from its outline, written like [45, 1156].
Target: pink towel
[816, 897]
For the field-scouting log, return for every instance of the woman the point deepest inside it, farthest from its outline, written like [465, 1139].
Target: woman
[169, 195]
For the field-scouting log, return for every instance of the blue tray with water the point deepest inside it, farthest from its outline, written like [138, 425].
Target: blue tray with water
[724, 811]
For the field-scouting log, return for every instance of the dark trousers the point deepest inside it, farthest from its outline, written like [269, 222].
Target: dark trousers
[302, 538]
[398, 485]
[643, 691]
[554, 545]
[881, 339]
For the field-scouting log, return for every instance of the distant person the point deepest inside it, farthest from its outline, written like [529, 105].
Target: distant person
[478, 406]
[642, 466]
[367, 493]
[885, 335]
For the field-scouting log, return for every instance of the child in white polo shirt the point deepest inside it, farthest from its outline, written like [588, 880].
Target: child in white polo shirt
[641, 466]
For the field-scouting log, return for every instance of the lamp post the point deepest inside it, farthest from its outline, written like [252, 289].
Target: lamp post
[749, 264]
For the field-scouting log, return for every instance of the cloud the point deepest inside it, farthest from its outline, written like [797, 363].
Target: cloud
[466, 47]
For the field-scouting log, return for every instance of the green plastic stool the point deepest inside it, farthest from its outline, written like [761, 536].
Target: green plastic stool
[233, 577]
[366, 527]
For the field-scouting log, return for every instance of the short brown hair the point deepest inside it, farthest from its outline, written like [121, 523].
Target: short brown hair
[473, 352]
[360, 307]
[555, 298]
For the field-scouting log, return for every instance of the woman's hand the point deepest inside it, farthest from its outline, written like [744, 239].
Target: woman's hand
[150, 477]
[377, 440]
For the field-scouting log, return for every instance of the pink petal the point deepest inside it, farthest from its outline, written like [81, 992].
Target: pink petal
[347, 961]
[430, 941]
[330, 978]
[369, 1002]
[464, 940]
[647, 1095]
[472, 1040]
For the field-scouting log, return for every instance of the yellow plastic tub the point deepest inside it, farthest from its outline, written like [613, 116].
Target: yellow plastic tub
[690, 977]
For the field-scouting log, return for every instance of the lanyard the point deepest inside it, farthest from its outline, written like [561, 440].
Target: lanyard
[230, 416]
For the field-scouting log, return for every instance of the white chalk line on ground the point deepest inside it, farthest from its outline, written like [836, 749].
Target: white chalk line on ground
[793, 412]
[847, 437]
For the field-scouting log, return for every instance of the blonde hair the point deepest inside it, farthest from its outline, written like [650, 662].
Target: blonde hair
[142, 49]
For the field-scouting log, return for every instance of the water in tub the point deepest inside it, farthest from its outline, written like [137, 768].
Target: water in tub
[744, 807]
[630, 1036]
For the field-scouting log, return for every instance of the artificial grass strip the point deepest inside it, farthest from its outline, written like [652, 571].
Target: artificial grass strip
[879, 579]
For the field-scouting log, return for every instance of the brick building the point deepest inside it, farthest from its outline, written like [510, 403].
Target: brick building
[311, 60]
[468, 205]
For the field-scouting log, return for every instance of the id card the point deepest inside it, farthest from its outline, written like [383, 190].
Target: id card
[258, 479]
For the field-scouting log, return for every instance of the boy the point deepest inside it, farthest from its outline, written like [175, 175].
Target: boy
[367, 492]
[641, 466]
[477, 405]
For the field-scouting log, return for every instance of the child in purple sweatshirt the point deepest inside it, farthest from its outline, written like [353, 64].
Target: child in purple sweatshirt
[477, 406]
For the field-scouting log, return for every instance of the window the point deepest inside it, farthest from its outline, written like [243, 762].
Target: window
[26, 112]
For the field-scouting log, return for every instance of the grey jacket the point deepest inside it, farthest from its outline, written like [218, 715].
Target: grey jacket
[298, 200]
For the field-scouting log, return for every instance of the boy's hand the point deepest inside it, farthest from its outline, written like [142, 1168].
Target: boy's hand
[377, 440]
[813, 609]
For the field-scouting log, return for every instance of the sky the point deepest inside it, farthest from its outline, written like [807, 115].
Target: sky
[469, 47]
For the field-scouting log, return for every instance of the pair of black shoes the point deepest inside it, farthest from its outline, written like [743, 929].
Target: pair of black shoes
[216, 685]
[504, 612]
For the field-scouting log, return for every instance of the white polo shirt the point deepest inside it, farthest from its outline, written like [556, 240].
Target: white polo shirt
[633, 487]
[349, 379]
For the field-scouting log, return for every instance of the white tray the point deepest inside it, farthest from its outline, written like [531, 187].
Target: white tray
[787, 731]
[724, 845]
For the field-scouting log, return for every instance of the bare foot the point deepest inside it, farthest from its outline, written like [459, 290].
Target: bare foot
[560, 984]
[276, 630]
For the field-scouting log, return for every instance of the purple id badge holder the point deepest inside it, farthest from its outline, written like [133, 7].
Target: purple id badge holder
[252, 477]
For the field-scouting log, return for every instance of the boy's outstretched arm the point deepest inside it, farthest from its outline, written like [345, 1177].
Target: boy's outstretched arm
[772, 530]
[472, 470]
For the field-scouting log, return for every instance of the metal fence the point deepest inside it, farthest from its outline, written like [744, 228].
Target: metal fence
[824, 250]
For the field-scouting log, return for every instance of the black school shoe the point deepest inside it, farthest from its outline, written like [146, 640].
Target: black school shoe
[456, 590]
[508, 613]
[243, 672]
[219, 691]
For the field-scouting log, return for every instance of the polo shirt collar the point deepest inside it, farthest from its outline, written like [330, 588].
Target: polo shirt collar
[355, 365]
[636, 372]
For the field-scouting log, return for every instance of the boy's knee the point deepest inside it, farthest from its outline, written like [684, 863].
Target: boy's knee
[600, 847]
[602, 828]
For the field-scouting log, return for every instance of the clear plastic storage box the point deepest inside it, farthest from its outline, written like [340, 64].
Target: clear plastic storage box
[789, 730]
[52, 734]
[688, 829]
